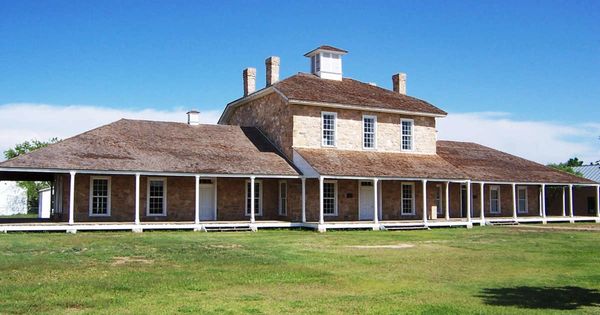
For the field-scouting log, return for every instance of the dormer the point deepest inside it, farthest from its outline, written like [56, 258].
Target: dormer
[326, 62]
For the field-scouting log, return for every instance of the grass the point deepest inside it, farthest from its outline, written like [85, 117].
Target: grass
[499, 270]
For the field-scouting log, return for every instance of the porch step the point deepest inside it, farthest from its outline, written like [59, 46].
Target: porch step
[244, 228]
[405, 228]
[503, 223]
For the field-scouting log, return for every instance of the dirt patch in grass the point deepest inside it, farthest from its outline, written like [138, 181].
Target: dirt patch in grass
[397, 246]
[125, 260]
[223, 246]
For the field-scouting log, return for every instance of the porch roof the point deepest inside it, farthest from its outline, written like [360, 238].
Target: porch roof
[152, 146]
[335, 162]
[482, 163]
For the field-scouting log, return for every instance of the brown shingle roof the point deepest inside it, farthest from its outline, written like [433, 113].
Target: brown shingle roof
[379, 164]
[486, 164]
[327, 47]
[308, 87]
[134, 145]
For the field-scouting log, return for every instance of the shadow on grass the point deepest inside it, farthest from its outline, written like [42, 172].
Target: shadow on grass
[557, 298]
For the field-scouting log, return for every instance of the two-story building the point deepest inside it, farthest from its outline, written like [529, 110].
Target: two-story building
[314, 150]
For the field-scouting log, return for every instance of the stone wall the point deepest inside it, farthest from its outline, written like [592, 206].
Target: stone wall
[307, 130]
[272, 116]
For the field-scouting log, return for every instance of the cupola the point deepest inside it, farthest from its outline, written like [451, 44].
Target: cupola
[326, 62]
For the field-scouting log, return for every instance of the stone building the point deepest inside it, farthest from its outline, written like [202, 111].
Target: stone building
[314, 150]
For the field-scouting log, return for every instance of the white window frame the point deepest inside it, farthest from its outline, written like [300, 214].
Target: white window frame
[413, 210]
[108, 201]
[164, 181]
[496, 188]
[439, 202]
[323, 144]
[335, 198]
[519, 210]
[283, 207]
[365, 133]
[260, 198]
[412, 134]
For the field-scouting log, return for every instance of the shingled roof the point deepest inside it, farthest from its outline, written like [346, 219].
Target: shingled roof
[481, 163]
[310, 88]
[151, 146]
[328, 48]
[380, 164]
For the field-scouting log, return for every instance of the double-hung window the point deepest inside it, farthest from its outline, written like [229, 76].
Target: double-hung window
[407, 200]
[522, 200]
[495, 199]
[282, 198]
[157, 197]
[330, 198]
[369, 132]
[257, 197]
[328, 124]
[407, 129]
[99, 196]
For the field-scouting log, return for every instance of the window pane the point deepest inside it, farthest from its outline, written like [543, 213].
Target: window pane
[368, 132]
[407, 199]
[156, 194]
[407, 135]
[329, 198]
[99, 196]
[328, 129]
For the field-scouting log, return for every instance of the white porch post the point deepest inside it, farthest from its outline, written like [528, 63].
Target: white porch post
[598, 201]
[303, 199]
[72, 198]
[424, 182]
[564, 211]
[447, 192]
[252, 218]
[321, 220]
[375, 201]
[571, 212]
[197, 212]
[137, 198]
[514, 200]
[482, 202]
[543, 203]
[469, 197]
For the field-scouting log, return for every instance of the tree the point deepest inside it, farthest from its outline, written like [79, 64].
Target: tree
[568, 166]
[31, 187]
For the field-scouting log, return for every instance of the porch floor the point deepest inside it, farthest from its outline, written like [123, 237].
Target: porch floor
[204, 225]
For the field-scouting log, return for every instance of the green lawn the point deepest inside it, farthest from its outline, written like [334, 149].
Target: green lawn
[499, 270]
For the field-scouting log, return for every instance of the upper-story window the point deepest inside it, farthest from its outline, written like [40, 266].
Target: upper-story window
[407, 134]
[369, 132]
[328, 123]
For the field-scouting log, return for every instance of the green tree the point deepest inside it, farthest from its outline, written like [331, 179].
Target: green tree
[31, 187]
[568, 166]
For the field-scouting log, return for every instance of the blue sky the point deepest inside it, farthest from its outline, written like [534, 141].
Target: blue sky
[533, 61]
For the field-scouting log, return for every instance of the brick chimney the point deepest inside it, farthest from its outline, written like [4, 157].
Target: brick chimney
[193, 118]
[399, 83]
[249, 75]
[272, 65]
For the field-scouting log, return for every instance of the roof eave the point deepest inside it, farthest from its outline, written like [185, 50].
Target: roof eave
[364, 108]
